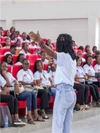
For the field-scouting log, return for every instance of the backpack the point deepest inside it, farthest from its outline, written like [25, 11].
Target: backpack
[4, 110]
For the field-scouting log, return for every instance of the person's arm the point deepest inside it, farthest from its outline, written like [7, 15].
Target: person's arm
[24, 83]
[38, 82]
[5, 90]
[48, 50]
[90, 76]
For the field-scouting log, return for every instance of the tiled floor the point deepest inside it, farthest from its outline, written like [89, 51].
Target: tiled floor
[83, 122]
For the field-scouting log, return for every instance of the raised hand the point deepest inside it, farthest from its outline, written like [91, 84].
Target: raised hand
[36, 37]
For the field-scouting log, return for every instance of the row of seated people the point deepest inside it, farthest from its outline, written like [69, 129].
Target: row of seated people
[9, 85]
[25, 77]
[17, 59]
[85, 51]
[85, 75]
[14, 73]
[12, 36]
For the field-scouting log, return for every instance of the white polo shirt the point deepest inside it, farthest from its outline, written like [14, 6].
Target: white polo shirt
[97, 68]
[43, 77]
[66, 69]
[25, 76]
[89, 70]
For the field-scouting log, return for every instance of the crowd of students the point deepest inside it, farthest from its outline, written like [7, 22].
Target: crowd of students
[43, 80]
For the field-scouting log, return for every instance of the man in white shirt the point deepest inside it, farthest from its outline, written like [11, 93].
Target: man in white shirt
[43, 57]
[24, 38]
[12, 50]
[25, 49]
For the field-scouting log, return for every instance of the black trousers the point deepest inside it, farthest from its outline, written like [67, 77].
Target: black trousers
[97, 83]
[44, 95]
[12, 103]
[83, 90]
[94, 92]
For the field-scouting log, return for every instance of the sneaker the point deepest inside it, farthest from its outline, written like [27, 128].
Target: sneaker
[86, 107]
[19, 123]
[98, 104]
[76, 108]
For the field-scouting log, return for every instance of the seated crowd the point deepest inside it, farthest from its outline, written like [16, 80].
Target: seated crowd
[39, 83]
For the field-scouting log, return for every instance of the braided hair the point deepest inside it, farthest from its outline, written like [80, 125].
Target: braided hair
[64, 44]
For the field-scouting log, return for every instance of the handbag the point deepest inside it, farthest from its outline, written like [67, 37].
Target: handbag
[31, 88]
[21, 88]
[4, 110]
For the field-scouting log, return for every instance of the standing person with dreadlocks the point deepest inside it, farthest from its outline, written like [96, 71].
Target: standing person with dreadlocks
[64, 78]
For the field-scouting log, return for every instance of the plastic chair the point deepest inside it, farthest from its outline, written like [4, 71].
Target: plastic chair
[1, 58]
[84, 55]
[44, 40]
[4, 50]
[15, 58]
[32, 58]
[45, 67]
[94, 63]
[16, 68]
[32, 50]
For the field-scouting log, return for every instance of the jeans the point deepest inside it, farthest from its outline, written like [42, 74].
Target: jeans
[30, 98]
[63, 109]
[53, 91]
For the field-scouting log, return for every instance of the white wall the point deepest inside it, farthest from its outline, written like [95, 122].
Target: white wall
[51, 28]
[77, 17]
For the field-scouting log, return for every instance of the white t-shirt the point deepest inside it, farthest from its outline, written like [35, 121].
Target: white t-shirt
[31, 46]
[89, 70]
[18, 63]
[23, 52]
[66, 69]
[6, 47]
[7, 53]
[83, 60]
[25, 76]
[3, 81]
[52, 75]
[45, 61]
[43, 76]
[23, 41]
[97, 68]
[80, 73]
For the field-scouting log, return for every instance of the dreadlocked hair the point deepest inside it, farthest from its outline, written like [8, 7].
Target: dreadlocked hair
[64, 44]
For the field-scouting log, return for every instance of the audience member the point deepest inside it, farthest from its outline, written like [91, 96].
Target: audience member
[12, 50]
[8, 59]
[5, 94]
[25, 49]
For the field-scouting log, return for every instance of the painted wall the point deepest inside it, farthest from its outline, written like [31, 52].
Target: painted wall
[52, 17]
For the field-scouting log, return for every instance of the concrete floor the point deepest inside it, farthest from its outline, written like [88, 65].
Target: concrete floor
[83, 122]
